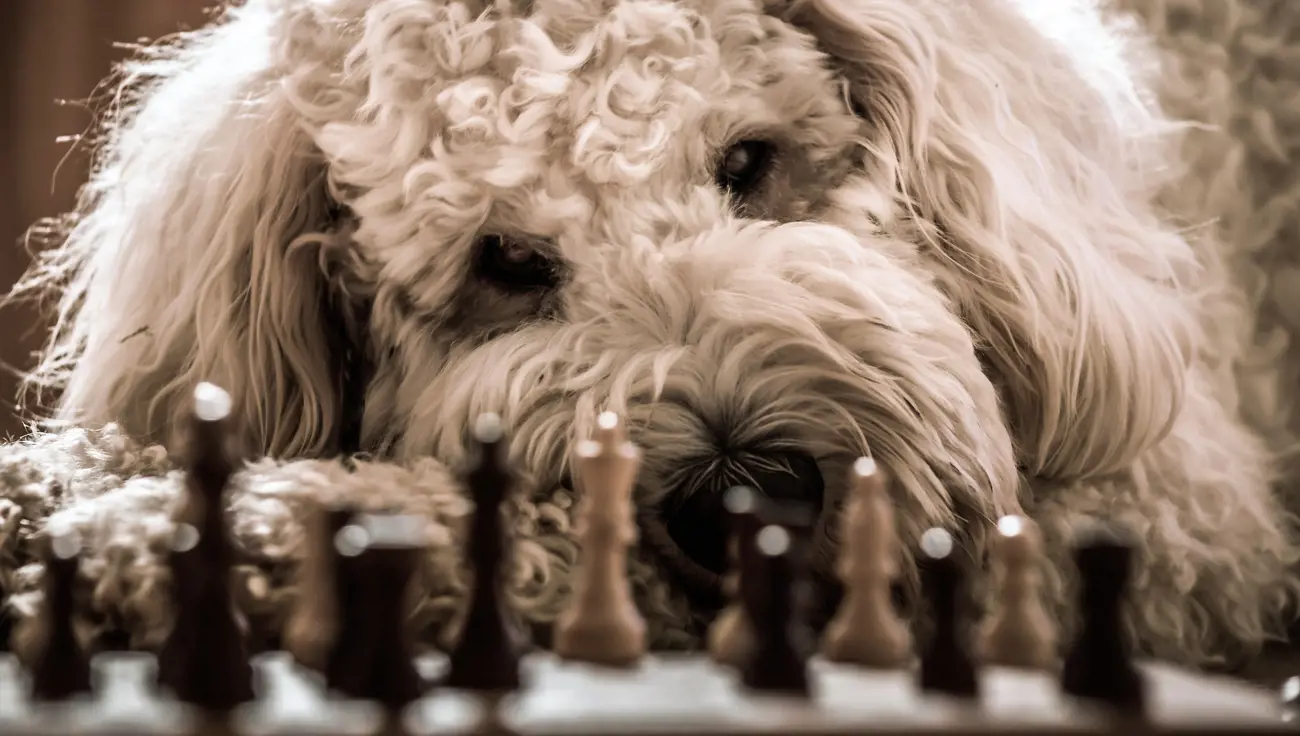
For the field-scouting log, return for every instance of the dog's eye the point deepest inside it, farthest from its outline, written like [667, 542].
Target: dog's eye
[744, 165]
[514, 266]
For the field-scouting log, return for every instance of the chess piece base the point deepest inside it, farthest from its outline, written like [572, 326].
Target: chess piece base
[730, 639]
[613, 642]
[877, 647]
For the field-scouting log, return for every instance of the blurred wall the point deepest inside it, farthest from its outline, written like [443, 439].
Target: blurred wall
[51, 51]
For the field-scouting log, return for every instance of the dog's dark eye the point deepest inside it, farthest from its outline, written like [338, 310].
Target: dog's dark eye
[514, 266]
[744, 165]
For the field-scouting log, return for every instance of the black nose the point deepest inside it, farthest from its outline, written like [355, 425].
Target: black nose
[698, 522]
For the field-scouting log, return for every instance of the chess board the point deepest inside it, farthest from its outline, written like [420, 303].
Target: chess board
[664, 695]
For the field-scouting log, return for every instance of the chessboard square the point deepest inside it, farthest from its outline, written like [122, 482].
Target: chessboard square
[1020, 698]
[658, 692]
[293, 702]
[126, 701]
[445, 711]
[14, 707]
[850, 695]
[1182, 699]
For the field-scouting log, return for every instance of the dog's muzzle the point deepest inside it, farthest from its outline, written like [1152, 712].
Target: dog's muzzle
[690, 533]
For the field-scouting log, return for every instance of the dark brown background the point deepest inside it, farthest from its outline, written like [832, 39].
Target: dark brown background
[52, 51]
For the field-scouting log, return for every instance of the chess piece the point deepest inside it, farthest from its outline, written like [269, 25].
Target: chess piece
[60, 668]
[778, 663]
[947, 667]
[866, 630]
[602, 624]
[372, 656]
[313, 623]
[1098, 666]
[204, 659]
[730, 638]
[486, 655]
[1290, 700]
[1018, 632]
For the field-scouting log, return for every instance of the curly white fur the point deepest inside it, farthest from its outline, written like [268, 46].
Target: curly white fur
[964, 270]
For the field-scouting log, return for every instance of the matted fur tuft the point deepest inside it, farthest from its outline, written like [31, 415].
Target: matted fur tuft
[968, 259]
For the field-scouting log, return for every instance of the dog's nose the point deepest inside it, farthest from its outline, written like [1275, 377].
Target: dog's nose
[789, 476]
[698, 523]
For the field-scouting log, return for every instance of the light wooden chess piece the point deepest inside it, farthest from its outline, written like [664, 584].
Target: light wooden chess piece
[730, 639]
[1018, 631]
[310, 628]
[602, 624]
[866, 630]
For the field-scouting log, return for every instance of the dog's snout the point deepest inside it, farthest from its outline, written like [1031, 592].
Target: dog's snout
[791, 476]
[698, 522]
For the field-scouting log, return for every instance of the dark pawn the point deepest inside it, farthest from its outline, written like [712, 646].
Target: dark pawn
[1099, 665]
[486, 656]
[947, 666]
[373, 657]
[204, 659]
[779, 662]
[61, 668]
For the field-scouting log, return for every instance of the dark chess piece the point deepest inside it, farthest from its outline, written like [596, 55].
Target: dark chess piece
[779, 661]
[204, 659]
[60, 668]
[373, 656]
[730, 637]
[486, 655]
[1098, 666]
[946, 664]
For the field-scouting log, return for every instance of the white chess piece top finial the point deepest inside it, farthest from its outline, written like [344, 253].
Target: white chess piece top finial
[936, 543]
[772, 540]
[211, 402]
[488, 427]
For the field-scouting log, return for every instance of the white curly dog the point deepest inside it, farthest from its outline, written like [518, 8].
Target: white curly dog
[776, 235]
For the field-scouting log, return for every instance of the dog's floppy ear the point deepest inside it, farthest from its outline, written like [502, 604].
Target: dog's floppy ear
[196, 253]
[1027, 164]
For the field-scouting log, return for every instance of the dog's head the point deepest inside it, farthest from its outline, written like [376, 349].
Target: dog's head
[774, 235]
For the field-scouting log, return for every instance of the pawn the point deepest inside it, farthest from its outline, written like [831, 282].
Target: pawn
[486, 655]
[947, 667]
[731, 638]
[60, 668]
[778, 663]
[1098, 666]
[1018, 632]
[866, 630]
[313, 622]
[602, 624]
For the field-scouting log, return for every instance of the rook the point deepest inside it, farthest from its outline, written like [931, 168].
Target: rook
[372, 657]
[1098, 666]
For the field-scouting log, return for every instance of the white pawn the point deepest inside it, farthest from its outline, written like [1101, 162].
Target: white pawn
[866, 630]
[602, 624]
[1018, 631]
[730, 638]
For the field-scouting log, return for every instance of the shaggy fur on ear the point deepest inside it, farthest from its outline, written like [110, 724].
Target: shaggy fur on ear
[1038, 204]
[200, 254]
[996, 278]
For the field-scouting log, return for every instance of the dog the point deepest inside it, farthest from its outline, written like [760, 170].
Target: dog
[774, 235]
